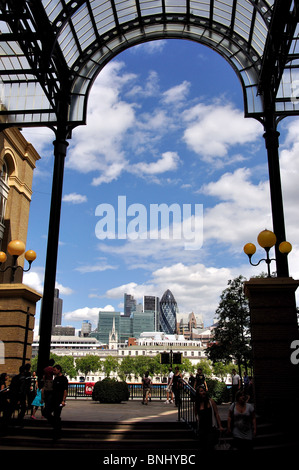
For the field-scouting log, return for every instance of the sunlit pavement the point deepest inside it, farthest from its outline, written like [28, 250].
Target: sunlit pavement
[129, 411]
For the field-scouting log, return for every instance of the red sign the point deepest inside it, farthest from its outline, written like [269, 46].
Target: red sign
[89, 388]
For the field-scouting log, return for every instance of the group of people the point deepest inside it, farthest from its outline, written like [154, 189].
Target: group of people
[173, 387]
[241, 420]
[29, 392]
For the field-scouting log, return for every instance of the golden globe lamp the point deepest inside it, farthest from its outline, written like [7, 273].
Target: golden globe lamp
[266, 239]
[16, 248]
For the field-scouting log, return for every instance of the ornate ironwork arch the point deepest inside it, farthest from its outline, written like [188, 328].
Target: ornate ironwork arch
[51, 51]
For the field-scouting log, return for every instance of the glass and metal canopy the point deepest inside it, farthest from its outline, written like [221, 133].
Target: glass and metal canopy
[51, 51]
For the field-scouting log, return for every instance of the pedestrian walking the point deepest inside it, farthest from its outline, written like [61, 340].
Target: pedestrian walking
[169, 392]
[58, 401]
[209, 424]
[17, 394]
[200, 380]
[176, 386]
[146, 386]
[47, 390]
[236, 384]
[37, 401]
[241, 422]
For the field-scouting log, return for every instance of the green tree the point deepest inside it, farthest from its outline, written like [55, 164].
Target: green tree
[126, 368]
[221, 370]
[110, 364]
[206, 367]
[232, 333]
[87, 364]
[66, 362]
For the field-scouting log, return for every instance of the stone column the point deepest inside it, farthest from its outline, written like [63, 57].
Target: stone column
[17, 311]
[273, 330]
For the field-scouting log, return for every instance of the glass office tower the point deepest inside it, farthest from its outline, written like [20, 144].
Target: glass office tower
[168, 312]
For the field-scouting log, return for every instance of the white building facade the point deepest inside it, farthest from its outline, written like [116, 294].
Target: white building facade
[150, 344]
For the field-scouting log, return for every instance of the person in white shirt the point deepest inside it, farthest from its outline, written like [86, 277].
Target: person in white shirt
[169, 387]
[236, 384]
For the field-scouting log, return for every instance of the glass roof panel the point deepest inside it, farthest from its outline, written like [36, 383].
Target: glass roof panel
[200, 8]
[83, 35]
[177, 6]
[126, 10]
[150, 7]
[68, 45]
[53, 8]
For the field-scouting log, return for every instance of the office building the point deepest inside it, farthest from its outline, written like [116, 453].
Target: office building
[57, 309]
[60, 330]
[143, 321]
[168, 313]
[85, 329]
[152, 304]
[129, 305]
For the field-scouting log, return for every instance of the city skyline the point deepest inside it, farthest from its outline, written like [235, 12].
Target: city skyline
[165, 126]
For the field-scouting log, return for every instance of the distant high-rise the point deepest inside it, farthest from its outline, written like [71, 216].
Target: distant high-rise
[85, 329]
[151, 304]
[168, 312]
[57, 309]
[129, 305]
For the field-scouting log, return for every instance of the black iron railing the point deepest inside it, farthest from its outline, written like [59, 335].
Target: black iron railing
[186, 408]
[84, 390]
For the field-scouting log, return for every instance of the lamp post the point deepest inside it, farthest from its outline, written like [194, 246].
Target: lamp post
[16, 248]
[266, 239]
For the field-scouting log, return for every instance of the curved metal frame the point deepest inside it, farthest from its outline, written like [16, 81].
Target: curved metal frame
[51, 51]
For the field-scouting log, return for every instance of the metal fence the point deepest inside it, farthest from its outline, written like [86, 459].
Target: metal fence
[84, 390]
[186, 408]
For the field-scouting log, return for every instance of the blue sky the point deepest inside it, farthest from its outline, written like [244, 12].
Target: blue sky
[165, 126]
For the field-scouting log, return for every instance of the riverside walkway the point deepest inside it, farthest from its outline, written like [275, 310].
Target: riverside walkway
[128, 411]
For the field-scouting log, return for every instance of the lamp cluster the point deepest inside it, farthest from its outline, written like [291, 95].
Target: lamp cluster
[266, 239]
[16, 248]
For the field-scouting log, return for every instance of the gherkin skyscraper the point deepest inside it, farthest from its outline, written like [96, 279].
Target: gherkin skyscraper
[168, 311]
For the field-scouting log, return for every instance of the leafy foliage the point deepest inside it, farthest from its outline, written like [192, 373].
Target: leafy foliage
[110, 391]
[232, 333]
[218, 391]
[87, 364]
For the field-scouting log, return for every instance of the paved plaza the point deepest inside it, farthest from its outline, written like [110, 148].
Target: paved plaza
[129, 411]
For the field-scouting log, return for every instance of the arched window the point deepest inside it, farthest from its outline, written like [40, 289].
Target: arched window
[4, 171]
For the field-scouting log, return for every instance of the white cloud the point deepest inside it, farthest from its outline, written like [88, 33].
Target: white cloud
[148, 89]
[177, 93]
[63, 290]
[95, 268]
[214, 129]
[138, 291]
[169, 161]
[86, 313]
[196, 287]
[98, 146]
[244, 209]
[74, 198]
[151, 47]
[35, 280]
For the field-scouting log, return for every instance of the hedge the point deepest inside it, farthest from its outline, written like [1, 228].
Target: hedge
[110, 391]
